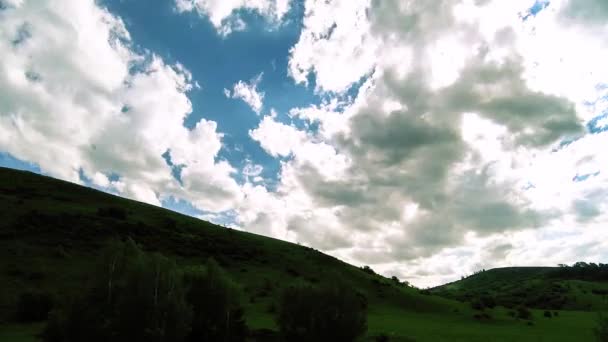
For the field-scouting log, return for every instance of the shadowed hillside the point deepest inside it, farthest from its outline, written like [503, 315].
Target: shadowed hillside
[52, 232]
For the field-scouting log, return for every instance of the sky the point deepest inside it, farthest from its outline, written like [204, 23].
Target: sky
[427, 139]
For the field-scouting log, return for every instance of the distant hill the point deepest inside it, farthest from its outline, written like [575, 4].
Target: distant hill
[51, 233]
[579, 287]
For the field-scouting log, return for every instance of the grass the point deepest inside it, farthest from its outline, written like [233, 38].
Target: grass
[20, 332]
[52, 232]
[568, 326]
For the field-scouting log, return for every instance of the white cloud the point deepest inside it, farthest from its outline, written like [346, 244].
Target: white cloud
[460, 120]
[252, 170]
[224, 16]
[335, 45]
[249, 93]
[70, 104]
[450, 158]
[276, 138]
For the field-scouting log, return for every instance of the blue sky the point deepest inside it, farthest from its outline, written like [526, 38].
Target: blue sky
[427, 148]
[218, 62]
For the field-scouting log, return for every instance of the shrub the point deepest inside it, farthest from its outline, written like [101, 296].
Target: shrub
[382, 338]
[477, 305]
[523, 313]
[264, 335]
[482, 316]
[368, 270]
[215, 300]
[548, 314]
[309, 313]
[601, 330]
[169, 223]
[488, 301]
[112, 212]
[33, 306]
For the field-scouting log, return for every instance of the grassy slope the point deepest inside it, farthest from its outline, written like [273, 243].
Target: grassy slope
[50, 233]
[538, 287]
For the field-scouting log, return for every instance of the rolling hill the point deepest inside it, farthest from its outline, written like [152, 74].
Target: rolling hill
[52, 231]
[579, 287]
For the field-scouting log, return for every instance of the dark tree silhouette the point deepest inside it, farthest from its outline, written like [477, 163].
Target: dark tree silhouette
[309, 313]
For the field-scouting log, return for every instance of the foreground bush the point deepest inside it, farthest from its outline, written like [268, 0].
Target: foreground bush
[321, 314]
[215, 300]
[134, 296]
[138, 296]
[33, 306]
[601, 331]
[524, 313]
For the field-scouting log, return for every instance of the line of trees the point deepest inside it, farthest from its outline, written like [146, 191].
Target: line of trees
[139, 296]
[584, 271]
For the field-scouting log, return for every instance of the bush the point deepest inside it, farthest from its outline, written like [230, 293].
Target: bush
[548, 314]
[264, 335]
[477, 305]
[599, 292]
[524, 313]
[488, 301]
[368, 270]
[112, 212]
[33, 307]
[601, 330]
[482, 316]
[382, 338]
[215, 300]
[309, 313]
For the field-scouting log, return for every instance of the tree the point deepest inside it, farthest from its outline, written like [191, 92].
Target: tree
[368, 270]
[134, 296]
[150, 302]
[601, 330]
[215, 300]
[333, 313]
[524, 313]
[33, 306]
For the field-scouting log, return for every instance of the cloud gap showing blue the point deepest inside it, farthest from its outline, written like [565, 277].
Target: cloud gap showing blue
[538, 6]
[218, 62]
[7, 160]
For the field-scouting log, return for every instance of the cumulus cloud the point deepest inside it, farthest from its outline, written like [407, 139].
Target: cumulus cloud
[224, 14]
[278, 139]
[335, 45]
[453, 135]
[78, 100]
[469, 127]
[249, 93]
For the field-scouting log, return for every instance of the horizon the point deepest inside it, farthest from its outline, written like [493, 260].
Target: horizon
[428, 140]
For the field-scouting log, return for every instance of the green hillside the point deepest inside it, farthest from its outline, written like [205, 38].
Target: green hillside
[52, 231]
[579, 287]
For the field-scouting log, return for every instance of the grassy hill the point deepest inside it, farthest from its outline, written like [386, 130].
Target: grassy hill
[51, 233]
[581, 287]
